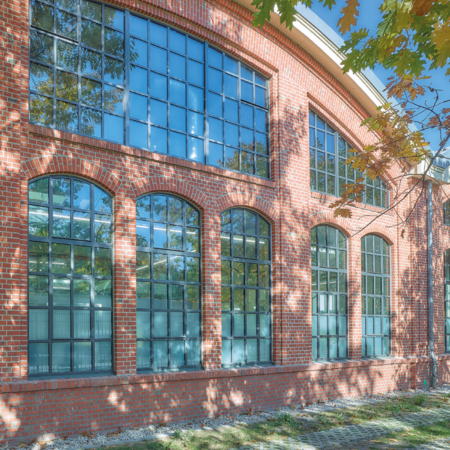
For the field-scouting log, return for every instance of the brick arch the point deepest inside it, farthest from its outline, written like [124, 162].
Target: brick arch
[381, 232]
[250, 201]
[49, 165]
[150, 185]
[327, 218]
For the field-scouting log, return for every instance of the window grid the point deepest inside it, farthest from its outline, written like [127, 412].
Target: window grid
[70, 277]
[447, 299]
[246, 297]
[375, 300]
[447, 212]
[113, 75]
[328, 154]
[168, 317]
[329, 293]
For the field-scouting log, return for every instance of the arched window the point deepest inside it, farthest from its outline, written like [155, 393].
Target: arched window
[110, 74]
[328, 171]
[329, 293]
[447, 212]
[375, 300]
[168, 319]
[246, 264]
[70, 277]
[447, 299]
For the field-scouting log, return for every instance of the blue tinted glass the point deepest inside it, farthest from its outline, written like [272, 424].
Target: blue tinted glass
[138, 134]
[215, 105]
[158, 86]
[158, 34]
[195, 123]
[195, 73]
[214, 58]
[231, 110]
[177, 92]
[113, 97]
[311, 118]
[246, 74]
[231, 134]
[260, 80]
[195, 98]
[158, 59]
[195, 49]
[231, 158]
[113, 71]
[231, 65]
[177, 42]
[247, 115]
[158, 113]
[215, 80]
[138, 79]
[138, 27]
[247, 138]
[91, 122]
[246, 91]
[215, 154]
[260, 96]
[113, 128]
[138, 107]
[138, 52]
[178, 144]
[231, 86]
[177, 118]
[177, 66]
[114, 18]
[216, 130]
[260, 120]
[158, 140]
[261, 143]
[196, 152]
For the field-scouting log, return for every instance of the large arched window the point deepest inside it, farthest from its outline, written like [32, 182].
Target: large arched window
[110, 74]
[447, 299]
[70, 277]
[375, 300]
[329, 293]
[328, 171]
[246, 264]
[168, 319]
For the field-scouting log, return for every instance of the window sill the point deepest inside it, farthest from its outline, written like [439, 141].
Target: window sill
[327, 198]
[164, 159]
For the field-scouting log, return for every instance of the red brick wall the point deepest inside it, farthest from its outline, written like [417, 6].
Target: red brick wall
[297, 83]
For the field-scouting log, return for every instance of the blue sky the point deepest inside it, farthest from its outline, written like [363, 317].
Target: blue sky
[369, 17]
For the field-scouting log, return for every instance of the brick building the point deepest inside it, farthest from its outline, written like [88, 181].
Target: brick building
[167, 250]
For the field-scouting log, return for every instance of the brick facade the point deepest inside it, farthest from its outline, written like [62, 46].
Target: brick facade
[297, 83]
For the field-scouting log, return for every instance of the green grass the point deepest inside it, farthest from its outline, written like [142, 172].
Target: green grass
[286, 425]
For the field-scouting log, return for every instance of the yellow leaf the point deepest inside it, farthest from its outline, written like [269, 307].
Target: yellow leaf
[349, 14]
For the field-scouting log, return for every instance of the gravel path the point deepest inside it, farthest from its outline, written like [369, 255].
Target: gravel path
[85, 441]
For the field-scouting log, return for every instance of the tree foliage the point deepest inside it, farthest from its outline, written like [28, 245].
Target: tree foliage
[413, 37]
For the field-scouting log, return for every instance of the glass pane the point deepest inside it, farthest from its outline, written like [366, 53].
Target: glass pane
[238, 351]
[143, 265]
[103, 324]
[81, 226]
[38, 324]
[102, 201]
[160, 326]
[61, 291]
[82, 260]
[143, 325]
[161, 296]
[38, 358]
[38, 191]
[143, 294]
[103, 263]
[193, 353]
[103, 294]
[60, 258]
[193, 297]
[226, 325]
[193, 325]
[160, 267]
[102, 228]
[37, 291]
[103, 356]
[193, 269]
[161, 357]
[61, 357]
[81, 292]
[81, 195]
[176, 353]
[82, 356]
[38, 257]
[142, 233]
[176, 296]
[61, 223]
[142, 354]
[81, 324]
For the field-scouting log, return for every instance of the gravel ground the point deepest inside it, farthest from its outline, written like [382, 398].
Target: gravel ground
[89, 440]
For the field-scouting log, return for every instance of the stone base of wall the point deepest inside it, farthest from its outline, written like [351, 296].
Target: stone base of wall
[71, 406]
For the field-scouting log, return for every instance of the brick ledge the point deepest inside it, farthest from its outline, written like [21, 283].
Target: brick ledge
[113, 380]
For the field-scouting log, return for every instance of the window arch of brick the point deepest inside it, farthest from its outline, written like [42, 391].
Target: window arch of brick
[375, 298]
[70, 276]
[168, 262]
[329, 293]
[245, 294]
